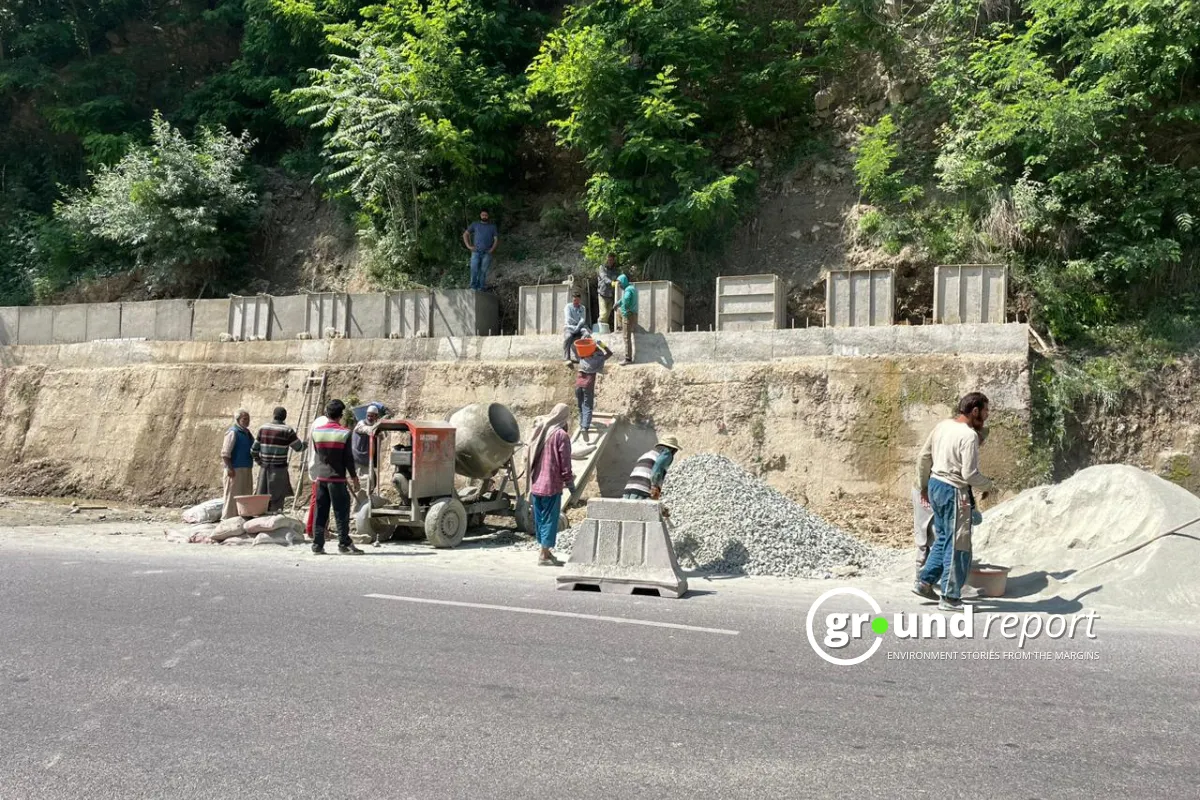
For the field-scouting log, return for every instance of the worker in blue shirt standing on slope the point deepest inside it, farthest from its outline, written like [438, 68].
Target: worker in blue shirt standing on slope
[627, 307]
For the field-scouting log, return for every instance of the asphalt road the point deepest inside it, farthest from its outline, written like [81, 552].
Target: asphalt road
[165, 674]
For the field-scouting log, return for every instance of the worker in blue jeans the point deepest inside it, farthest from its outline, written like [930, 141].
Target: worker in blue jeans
[481, 239]
[947, 471]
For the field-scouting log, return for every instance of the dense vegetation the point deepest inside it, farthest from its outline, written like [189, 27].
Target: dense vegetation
[1058, 136]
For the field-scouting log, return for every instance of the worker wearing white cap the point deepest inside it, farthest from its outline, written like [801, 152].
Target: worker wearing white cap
[361, 442]
[646, 480]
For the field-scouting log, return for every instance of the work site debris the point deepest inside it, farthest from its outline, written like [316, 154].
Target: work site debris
[724, 520]
[262, 530]
[208, 511]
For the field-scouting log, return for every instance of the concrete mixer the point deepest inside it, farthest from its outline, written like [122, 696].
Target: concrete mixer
[476, 442]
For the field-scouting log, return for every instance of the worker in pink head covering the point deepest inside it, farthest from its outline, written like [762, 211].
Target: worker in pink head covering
[548, 467]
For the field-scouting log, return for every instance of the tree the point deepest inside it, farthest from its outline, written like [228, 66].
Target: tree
[179, 208]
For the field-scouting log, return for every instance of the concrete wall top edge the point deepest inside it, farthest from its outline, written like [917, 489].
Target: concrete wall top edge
[1009, 340]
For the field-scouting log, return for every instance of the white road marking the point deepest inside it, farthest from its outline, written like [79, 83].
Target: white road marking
[546, 613]
[151, 572]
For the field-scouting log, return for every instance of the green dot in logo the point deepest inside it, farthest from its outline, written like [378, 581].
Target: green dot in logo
[879, 625]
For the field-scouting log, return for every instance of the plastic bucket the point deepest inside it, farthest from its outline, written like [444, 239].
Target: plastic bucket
[990, 581]
[585, 347]
[602, 327]
[252, 505]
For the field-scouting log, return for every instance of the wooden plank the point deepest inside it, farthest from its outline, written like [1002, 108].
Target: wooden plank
[603, 426]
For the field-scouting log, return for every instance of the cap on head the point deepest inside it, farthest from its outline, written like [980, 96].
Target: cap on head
[669, 442]
[372, 409]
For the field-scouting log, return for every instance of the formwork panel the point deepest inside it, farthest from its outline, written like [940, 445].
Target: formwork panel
[138, 320]
[859, 298]
[541, 308]
[210, 319]
[368, 316]
[660, 306]
[750, 303]
[103, 321]
[464, 312]
[972, 293]
[9, 320]
[172, 320]
[35, 325]
[408, 314]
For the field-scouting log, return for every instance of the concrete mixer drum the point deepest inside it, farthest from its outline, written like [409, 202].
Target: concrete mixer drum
[486, 436]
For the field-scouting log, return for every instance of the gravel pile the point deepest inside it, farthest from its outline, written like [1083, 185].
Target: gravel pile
[727, 521]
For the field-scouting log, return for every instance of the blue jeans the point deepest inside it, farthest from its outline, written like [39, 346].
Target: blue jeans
[481, 262]
[545, 518]
[945, 563]
[586, 398]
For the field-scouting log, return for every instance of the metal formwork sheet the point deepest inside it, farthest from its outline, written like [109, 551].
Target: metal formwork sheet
[250, 317]
[750, 303]
[408, 314]
[541, 308]
[327, 313]
[970, 293]
[856, 298]
[660, 306]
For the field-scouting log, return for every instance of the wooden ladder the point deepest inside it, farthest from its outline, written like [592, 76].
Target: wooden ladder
[603, 426]
[311, 407]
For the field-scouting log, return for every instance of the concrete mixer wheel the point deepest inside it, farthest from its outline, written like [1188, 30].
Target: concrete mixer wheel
[446, 523]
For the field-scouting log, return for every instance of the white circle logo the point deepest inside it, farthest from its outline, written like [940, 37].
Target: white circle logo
[812, 639]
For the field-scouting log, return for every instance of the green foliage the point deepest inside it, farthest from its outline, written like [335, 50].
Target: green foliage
[874, 154]
[647, 93]
[175, 207]
[420, 119]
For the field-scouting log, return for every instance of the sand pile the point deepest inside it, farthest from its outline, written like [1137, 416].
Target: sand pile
[1097, 513]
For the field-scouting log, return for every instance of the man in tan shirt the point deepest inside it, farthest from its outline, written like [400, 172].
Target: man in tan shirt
[947, 471]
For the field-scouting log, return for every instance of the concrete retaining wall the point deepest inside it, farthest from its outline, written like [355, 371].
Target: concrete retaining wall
[250, 317]
[409, 314]
[103, 321]
[288, 317]
[367, 315]
[9, 318]
[463, 312]
[173, 320]
[138, 320]
[36, 325]
[210, 319]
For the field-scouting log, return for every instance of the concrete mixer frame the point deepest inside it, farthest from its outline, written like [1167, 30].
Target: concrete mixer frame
[429, 499]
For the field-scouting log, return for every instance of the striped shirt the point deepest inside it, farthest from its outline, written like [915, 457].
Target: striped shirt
[274, 440]
[331, 449]
[649, 472]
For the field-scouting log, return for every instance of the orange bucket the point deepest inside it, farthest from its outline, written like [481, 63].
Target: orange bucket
[585, 347]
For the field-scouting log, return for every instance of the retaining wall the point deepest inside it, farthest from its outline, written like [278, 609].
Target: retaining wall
[815, 411]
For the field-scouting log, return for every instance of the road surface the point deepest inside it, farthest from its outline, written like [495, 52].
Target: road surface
[196, 671]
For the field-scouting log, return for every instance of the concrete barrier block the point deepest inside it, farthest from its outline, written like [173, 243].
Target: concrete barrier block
[368, 316]
[69, 324]
[103, 321]
[210, 319]
[173, 320]
[35, 325]
[138, 320]
[9, 318]
[630, 552]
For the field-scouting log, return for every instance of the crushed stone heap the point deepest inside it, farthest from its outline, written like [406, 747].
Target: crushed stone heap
[724, 520]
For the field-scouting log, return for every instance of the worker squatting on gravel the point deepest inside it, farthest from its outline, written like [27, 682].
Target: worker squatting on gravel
[646, 480]
[947, 470]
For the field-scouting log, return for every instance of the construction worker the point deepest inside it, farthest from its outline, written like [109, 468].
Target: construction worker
[585, 384]
[574, 327]
[312, 466]
[923, 533]
[238, 479]
[549, 469]
[270, 452]
[334, 467]
[361, 442]
[606, 289]
[646, 480]
[627, 306]
[947, 471]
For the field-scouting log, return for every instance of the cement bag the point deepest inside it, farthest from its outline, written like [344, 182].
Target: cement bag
[185, 535]
[209, 511]
[238, 540]
[278, 522]
[228, 529]
[282, 537]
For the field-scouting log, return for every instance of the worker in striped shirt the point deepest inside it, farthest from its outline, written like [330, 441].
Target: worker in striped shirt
[645, 483]
[333, 467]
[270, 452]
